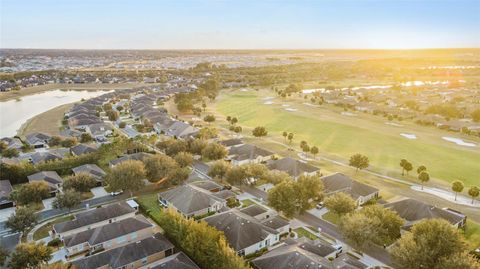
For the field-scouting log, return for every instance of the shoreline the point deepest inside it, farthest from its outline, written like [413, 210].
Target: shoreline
[45, 120]
[12, 95]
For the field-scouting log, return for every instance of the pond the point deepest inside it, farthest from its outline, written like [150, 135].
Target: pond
[14, 113]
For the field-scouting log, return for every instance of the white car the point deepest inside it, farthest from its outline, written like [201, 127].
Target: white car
[115, 193]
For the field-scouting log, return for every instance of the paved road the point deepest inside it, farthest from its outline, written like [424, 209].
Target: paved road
[376, 252]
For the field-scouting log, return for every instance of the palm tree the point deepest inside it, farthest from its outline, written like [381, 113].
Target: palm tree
[285, 134]
[290, 137]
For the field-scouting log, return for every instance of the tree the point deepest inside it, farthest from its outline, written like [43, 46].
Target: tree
[457, 186]
[68, 199]
[32, 192]
[430, 243]
[214, 151]
[423, 177]
[290, 138]
[259, 131]
[208, 133]
[359, 161]
[112, 115]
[285, 134]
[234, 120]
[282, 198]
[219, 169]
[85, 137]
[408, 167]
[178, 176]
[306, 149]
[172, 146]
[474, 191]
[3, 256]
[126, 176]
[340, 203]
[55, 141]
[314, 151]
[69, 142]
[303, 143]
[158, 166]
[23, 219]
[10, 153]
[204, 106]
[184, 159]
[309, 192]
[209, 118]
[421, 168]
[236, 175]
[195, 146]
[403, 162]
[372, 225]
[30, 255]
[81, 182]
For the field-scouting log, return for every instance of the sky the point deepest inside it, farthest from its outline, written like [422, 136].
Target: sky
[247, 24]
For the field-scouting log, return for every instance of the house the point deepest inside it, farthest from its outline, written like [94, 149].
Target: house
[279, 224]
[12, 143]
[231, 142]
[300, 253]
[100, 130]
[39, 157]
[53, 180]
[176, 261]
[339, 182]
[293, 167]
[208, 185]
[131, 256]
[245, 234]
[182, 130]
[191, 200]
[248, 153]
[257, 211]
[38, 140]
[5, 190]
[82, 149]
[108, 236]
[93, 218]
[162, 124]
[139, 156]
[414, 211]
[91, 169]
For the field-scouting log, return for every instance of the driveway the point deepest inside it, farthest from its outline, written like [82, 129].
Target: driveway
[6, 213]
[59, 256]
[48, 204]
[99, 192]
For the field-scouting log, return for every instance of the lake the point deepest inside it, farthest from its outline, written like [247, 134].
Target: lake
[14, 113]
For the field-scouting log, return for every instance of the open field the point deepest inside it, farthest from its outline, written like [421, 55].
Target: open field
[340, 136]
[48, 122]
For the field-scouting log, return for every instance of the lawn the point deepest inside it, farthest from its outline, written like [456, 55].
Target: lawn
[247, 202]
[341, 136]
[149, 203]
[331, 217]
[301, 232]
[42, 232]
[472, 234]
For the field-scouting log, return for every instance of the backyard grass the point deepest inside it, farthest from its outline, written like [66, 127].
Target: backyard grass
[42, 232]
[331, 217]
[149, 203]
[301, 232]
[247, 202]
[472, 234]
[341, 136]
[49, 121]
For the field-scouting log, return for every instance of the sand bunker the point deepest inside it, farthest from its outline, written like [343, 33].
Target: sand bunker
[393, 124]
[409, 136]
[349, 114]
[459, 141]
[291, 109]
[268, 103]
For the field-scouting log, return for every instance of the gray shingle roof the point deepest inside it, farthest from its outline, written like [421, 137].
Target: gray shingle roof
[253, 210]
[127, 254]
[176, 261]
[108, 232]
[51, 177]
[276, 222]
[91, 169]
[5, 190]
[82, 149]
[340, 182]
[37, 137]
[292, 166]
[248, 152]
[94, 216]
[189, 199]
[413, 211]
[240, 229]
